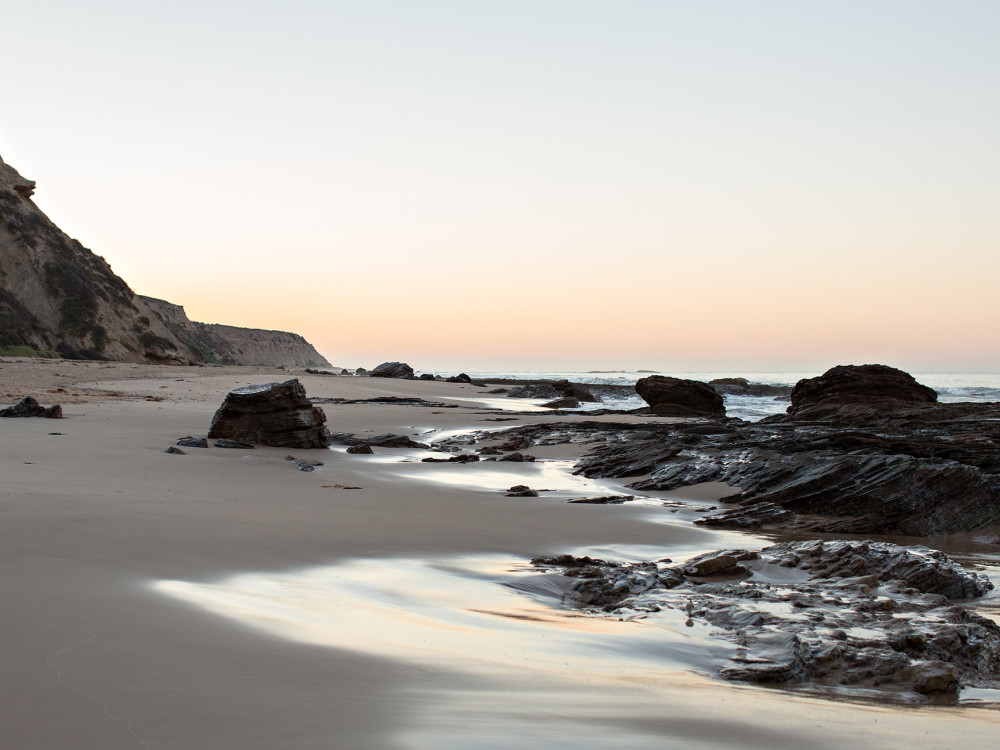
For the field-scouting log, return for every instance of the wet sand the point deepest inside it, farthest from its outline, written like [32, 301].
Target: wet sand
[102, 653]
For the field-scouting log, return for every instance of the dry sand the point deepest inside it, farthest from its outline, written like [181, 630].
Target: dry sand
[98, 656]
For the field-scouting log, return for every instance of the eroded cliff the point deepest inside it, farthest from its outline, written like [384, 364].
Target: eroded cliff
[57, 296]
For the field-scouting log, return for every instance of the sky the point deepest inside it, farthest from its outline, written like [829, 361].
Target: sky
[543, 184]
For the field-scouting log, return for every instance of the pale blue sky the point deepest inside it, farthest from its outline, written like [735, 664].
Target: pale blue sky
[766, 185]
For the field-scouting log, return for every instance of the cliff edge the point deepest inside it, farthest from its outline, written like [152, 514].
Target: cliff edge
[58, 297]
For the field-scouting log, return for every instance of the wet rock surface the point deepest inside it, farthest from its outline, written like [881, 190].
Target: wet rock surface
[849, 615]
[29, 407]
[677, 397]
[929, 469]
[276, 414]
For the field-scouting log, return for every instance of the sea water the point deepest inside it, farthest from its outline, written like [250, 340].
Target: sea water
[951, 387]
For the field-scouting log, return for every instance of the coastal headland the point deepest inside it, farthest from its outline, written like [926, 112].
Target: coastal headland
[231, 598]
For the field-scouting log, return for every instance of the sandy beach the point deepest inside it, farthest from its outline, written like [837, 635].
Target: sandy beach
[224, 599]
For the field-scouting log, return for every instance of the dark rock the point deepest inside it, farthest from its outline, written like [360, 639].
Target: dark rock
[426, 376]
[465, 458]
[880, 617]
[563, 403]
[517, 458]
[227, 443]
[521, 490]
[175, 450]
[29, 407]
[743, 387]
[361, 372]
[271, 414]
[607, 500]
[929, 469]
[856, 392]
[675, 397]
[460, 378]
[193, 442]
[364, 449]
[390, 440]
[399, 370]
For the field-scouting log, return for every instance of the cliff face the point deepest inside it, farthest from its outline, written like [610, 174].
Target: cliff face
[235, 346]
[58, 296]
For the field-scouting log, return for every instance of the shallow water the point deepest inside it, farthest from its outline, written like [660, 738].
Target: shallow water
[516, 667]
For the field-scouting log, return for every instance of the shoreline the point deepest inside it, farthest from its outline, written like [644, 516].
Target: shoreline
[94, 516]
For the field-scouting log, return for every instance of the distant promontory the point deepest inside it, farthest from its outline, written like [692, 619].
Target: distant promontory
[57, 298]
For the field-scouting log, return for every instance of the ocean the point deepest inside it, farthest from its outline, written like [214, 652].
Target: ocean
[951, 386]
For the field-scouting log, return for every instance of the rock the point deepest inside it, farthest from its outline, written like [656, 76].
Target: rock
[399, 370]
[743, 387]
[304, 464]
[675, 397]
[562, 403]
[517, 458]
[276, 414]
[29, 407]
[934, 677]
[361, 372]
[711, 565]
[521, 490]
[465, 458]
[857, 616]
[193, 442]
[926, 469]
[363, 449]
[175, 450]
[227, 443]
[607, 500]
[460, 378]
[856, 392]
[426, 376]
[390, 440]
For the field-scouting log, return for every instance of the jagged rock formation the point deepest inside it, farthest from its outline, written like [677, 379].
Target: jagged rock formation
[930, 469]
[270, 414]
[856, 615]
[58, 296]
[29, 407]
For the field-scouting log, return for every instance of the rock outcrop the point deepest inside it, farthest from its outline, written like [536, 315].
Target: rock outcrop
[853, 393]
[271, 414]
[399, 370]
[676, 397]
[859, 616]
[931, 469]
[56, 296]
[231, 345]
[29, 407]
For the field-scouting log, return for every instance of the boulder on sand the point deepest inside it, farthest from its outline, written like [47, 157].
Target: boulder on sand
[676, 397]
[849, 392]
[271, 414]
[399, 370]
[29, 407]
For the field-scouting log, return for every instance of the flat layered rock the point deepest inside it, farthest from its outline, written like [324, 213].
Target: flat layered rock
[277, 414]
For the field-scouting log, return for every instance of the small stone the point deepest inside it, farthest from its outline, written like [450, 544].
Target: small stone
[193, 442]
[366, 449]
[226, 443]
[175, 450]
